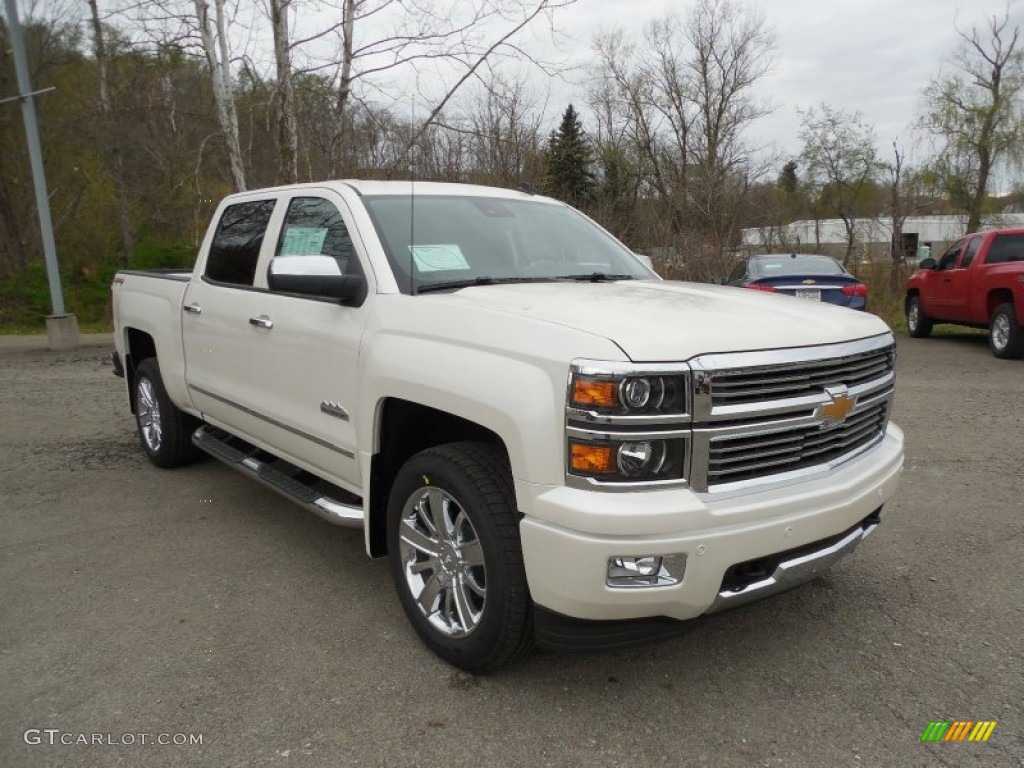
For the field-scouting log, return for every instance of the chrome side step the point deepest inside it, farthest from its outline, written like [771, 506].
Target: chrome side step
[331, 510]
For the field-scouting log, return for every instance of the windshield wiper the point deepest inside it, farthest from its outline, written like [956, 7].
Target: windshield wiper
[474, 281]
[595, 277]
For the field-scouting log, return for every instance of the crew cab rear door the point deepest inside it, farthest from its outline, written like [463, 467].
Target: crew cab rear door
[218, 340]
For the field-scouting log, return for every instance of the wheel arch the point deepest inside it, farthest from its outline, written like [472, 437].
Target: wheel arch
[138, 345]
[404, 428]
[997, 297]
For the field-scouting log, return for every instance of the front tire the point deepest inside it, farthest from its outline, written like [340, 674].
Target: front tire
[164, 431]
[918, 324]
[1005, 336]
[456, 558]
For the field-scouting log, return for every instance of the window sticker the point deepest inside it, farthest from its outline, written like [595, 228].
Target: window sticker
[438, 258]
[303, 241]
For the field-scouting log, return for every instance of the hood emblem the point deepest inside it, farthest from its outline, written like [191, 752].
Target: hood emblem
[834, 413]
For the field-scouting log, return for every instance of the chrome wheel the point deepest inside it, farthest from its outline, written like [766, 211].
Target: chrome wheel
[1000, 331]
[442, 561]
[913, 316]
[148, 410]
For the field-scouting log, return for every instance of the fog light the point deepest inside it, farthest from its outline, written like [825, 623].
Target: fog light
[645, 570]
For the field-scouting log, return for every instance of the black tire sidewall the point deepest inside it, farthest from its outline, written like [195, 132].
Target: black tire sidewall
[175, 441]
[923, 327]
[507, 596]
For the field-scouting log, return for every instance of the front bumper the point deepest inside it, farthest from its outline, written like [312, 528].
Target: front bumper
[568, 536]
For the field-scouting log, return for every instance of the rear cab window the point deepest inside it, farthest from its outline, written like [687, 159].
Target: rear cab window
[1006, 248]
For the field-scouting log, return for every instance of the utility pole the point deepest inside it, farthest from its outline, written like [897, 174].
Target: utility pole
[61, 328]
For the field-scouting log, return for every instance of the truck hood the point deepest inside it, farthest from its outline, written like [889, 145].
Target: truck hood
[657, 321]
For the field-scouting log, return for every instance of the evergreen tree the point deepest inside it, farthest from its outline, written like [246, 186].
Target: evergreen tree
[570, 158]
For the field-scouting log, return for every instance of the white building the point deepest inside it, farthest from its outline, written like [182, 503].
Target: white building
[922, 235]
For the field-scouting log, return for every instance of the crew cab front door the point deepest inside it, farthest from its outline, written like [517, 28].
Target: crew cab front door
[955, 286]
[306, 359]
[936, 290]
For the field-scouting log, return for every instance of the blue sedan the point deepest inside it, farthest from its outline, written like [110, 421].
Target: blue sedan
[804, 275]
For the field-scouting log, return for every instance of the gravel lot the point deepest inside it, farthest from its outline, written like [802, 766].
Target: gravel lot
[140, 601]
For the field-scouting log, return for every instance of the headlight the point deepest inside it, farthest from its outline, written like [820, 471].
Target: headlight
[626, 461]
[628, 395]
[627, 424]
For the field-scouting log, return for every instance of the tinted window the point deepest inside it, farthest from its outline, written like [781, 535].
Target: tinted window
[1006, 248]
[313, 226]
[236, 245]
[798, 264]
[970, 253]
[948, 260]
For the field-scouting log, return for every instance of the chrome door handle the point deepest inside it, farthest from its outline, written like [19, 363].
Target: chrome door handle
[261, 322]
[194, 308]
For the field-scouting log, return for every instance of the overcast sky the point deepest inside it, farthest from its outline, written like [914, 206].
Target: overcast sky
[873, 56]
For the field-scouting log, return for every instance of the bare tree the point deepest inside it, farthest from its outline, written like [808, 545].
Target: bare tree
[288, 136]
[112, 134]
[682, 102]
[975, 114]
[842, 163]
[385, 45]
[214, 35]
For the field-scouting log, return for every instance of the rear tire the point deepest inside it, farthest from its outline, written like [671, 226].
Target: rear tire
[1005, 336]
[456, 557]
[164, 431]
[919, 325]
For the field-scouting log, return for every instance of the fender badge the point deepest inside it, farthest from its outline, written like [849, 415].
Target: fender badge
[332, 408]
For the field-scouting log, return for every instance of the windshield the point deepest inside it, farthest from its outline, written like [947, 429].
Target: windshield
[451, 239]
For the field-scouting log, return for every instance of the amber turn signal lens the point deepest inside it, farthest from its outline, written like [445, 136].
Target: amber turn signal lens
[593, 459]
[597, 392]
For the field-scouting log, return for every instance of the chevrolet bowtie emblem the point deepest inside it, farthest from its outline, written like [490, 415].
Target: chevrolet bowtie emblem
[835, 413]
[808, 281]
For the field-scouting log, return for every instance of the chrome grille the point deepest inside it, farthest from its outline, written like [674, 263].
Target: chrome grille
[761, 417]
[750, 456]
[773, 382]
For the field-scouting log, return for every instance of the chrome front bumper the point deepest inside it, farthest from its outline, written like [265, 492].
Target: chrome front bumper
[795, 571]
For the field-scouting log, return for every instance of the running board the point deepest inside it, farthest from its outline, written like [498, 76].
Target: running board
[331, 510]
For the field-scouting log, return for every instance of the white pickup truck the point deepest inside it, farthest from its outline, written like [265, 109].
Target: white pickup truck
[550, 443]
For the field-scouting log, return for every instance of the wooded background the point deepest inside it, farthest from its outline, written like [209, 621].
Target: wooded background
[162, 107]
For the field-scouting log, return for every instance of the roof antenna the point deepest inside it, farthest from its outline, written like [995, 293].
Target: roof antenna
[412, 191]
[527, 187]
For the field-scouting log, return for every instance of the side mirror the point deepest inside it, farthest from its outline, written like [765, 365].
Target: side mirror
[315, 276]
[928, 264]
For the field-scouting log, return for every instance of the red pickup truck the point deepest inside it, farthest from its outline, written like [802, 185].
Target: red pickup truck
[979, 282]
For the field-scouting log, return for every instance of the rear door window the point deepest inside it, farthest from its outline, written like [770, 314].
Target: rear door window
[237, 242]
